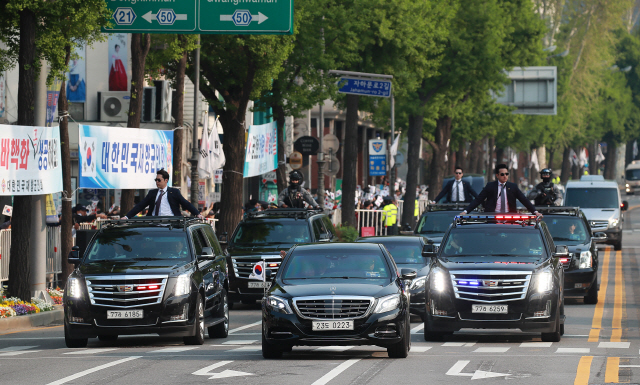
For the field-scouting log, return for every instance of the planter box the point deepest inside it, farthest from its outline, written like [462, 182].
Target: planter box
[55, 316]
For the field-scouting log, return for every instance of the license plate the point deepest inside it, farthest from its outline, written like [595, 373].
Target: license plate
[490, 309]
[259, 285]
[124, 314]
[331, 325]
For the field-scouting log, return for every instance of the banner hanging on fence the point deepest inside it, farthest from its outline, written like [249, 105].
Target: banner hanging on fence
[123, 158]
[262, 150]
[30, 160]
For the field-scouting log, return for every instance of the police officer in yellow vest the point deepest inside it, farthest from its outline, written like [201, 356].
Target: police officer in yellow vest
[390, 216]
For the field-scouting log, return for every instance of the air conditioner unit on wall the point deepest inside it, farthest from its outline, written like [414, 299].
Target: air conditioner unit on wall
[164, 98]
[113, 106]
[148, 104]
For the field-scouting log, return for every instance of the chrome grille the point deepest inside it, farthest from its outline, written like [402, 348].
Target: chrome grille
[493, 285]
[243, 266]
[333, 307]
[599, 224]
[126, 291]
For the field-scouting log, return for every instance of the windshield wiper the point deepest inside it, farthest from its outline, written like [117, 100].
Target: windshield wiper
[431, 232]
[146, 259]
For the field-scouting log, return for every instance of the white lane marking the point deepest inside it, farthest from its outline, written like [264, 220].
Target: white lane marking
[18, 352]
[92, 370]
[246, 349]
[333, 348]
[419, 349]
[247, 334]
[536, 344]
[92, 351]
[174, 350]
[573, 350]
[417, 329]
[491, 350]
[245, 327]
[30, 338]
[335, 372]
[240, 342]
[614, 345]
[456, 344]
[224, 374]
[16, 348]
[629, 366]
[574, 335]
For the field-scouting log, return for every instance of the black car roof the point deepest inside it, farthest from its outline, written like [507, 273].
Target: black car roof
[282, 213]
[340, 246]
[391, 238]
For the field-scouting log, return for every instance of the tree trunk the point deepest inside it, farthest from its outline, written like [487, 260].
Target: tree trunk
[178, 135]
[19, 269]
[442, 135]
[231, 197]
[500, 156]
[610, 161]
[460, 155]
[66, 219]
[281, 171]
[593, 167]
[576, 169]
[552, 153]
[140, 44]
[566, 166]
[414, 136]
[349, 176]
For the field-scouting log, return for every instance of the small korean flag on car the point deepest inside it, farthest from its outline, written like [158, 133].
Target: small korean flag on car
[258, 271]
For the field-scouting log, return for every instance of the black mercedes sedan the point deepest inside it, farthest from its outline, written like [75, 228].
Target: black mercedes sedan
[407, 253]
[337, 294]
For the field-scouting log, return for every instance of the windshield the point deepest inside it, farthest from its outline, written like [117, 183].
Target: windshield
[633, 174]
[567, 231]
[318, 264]
[592, 198]
[405, 253]
[131, 245]
[271, 232]
[435, 223]
[493, 242]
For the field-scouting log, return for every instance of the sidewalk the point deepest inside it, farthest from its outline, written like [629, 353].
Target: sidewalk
[55, 316]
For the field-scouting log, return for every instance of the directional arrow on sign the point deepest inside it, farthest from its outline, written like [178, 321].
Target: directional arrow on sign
[149, 16]
[224, 374]
[260, 18]
[457, 368]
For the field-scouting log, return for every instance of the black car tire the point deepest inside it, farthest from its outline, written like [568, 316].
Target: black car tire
[198, 337]
[270, 350]
[592, 295]
[556, 335]
[434, 336]
[108, 338]
[221, 330]
[618, 245]
[74, 342]
[248, 301]
[402, 347]
[230, 304]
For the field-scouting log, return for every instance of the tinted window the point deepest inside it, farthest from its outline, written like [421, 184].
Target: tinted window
[328, 225]
[317, 228]
[403, 252]
[130, 245]
[213, 240]
[198, 241]
[263, 232]
[319, 264]
[587, 198]
[567, 231]
[633, 174]
[496, 242]
[434, 223]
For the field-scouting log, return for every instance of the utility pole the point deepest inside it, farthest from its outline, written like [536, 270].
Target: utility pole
[195, 152]
[392, 171]
[321, 161]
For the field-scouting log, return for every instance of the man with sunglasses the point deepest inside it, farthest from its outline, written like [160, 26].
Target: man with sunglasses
[457, 190]
[164, 201]
[500, 196]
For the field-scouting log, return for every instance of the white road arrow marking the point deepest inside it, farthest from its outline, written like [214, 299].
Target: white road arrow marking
[260, 18]
[150, 17]
[224, 374]
[456, 370]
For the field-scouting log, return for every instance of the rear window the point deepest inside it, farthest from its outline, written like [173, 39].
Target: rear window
[132, 245]
[435, 223]
[272, 232]
[567, 231]
[319, 264]
[592, 198]
[405, 253]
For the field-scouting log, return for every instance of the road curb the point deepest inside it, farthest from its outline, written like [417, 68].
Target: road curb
[26, 321]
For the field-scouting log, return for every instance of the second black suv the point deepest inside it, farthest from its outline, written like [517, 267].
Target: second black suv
[260, 236]
[161, 275]
[436, 219]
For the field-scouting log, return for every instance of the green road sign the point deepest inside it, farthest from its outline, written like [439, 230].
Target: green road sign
[260, 17]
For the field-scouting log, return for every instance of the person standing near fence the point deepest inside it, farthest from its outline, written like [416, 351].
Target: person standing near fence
[390, 216]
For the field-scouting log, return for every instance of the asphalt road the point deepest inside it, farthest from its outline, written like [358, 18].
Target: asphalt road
[601, 345]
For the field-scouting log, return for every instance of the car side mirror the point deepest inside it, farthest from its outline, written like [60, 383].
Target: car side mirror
[207, 253]
[561, 251]
[599, 237]
[408, 274]
[625, 206]
[74, 256]
[223, 238]
[429, 251]
[324, 237]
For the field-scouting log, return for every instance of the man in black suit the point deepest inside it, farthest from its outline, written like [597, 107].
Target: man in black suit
[457, 190]
[163, 201]
[500, 196]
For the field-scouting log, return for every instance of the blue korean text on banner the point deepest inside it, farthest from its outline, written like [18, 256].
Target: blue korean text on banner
[377, 157]
[123, 158]
[262, 150]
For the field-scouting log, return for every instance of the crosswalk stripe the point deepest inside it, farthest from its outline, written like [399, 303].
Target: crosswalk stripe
[245, 327]
[174, 350]
[536, 344]
[419, 349]
[16, 348]
[240, 342]
[247, 349]
[573, 350]
[18, 352]
[491, 350]
[456, 344]
[92, 351]
[614, 345]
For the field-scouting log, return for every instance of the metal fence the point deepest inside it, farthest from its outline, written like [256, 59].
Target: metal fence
[53, 257]
[371, 218]
[5, 247]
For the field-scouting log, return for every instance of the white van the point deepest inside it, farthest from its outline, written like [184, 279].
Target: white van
[632, 177]
[600, 201]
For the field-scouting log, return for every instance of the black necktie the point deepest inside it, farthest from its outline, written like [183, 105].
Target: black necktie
[157, 210]
[503, 200]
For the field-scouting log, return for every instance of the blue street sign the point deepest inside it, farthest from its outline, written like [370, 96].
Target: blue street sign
[365, 87]
[377, 157]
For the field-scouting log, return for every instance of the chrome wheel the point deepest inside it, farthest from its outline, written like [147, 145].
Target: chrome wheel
[201, 319]
[226, 315]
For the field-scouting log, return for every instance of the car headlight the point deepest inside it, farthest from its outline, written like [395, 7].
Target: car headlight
[418, 283]
[585, 259]
[627, 185]
[73, 288]
[613, 222]
[183, 285]
[388, 303]
[544, 281]
[439, 281]
[278, 304]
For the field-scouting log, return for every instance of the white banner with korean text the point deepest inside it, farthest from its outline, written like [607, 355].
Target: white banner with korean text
[262, 150]
[123, 158]
[30, 161]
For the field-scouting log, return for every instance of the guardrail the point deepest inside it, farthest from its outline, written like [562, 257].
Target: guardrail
[53, 257]
[5, 249]
[371, 218]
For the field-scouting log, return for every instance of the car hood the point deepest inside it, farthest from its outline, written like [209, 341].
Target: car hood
[258, 249]
[335, 287]
[492, 263]
[601, 214]
[132, 267]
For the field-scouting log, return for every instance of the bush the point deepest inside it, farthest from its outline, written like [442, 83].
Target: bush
[346, 233]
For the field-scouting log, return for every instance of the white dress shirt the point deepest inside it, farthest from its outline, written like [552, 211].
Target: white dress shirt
[165, 209]
[499, 202]
[457, 187]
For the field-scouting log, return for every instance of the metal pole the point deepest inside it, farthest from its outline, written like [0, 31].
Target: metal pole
[321, 158]
[194, 152]
[392, 171]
